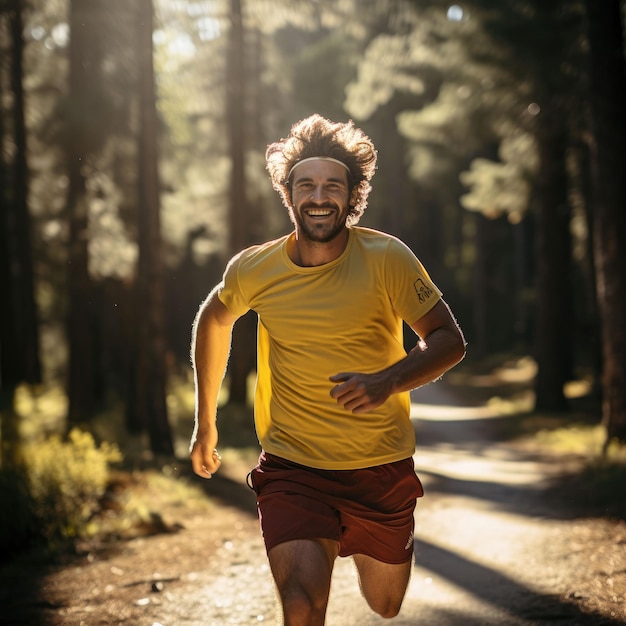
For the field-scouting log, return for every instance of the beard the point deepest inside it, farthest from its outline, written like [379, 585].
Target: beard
[322, 232]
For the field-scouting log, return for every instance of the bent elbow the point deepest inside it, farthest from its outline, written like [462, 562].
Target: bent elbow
[459, 349]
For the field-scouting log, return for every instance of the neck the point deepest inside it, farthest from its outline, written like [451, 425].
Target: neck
[307, 253]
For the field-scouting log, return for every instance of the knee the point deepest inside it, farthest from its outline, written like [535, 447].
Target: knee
[389, 613]
[387, 609]
[299, 607]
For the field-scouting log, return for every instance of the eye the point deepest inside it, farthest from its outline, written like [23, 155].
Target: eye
[335, 188]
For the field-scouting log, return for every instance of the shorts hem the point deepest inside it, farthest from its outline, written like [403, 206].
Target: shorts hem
[305, 538]
[378, 558]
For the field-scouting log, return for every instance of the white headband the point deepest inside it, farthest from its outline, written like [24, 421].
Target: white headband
[317, 158]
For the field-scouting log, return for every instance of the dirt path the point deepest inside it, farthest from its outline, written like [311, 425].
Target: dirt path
[490, 549]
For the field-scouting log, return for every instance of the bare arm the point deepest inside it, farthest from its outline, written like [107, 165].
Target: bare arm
[210, 348]
[441, 347]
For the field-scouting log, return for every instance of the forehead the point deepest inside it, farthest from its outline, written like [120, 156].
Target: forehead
[320, 170]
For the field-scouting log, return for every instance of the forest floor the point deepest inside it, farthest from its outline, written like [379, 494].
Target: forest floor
[515, 529]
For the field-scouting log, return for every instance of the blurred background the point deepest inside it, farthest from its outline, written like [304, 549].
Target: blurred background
[132, 167]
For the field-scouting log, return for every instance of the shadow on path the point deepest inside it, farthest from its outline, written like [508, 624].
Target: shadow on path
[230, 491]
[523, 500]
[500, 590]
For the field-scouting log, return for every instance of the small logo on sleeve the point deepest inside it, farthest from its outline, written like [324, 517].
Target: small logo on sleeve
[423, 290]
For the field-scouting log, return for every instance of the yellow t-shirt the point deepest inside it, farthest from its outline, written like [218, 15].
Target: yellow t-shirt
[344, 316]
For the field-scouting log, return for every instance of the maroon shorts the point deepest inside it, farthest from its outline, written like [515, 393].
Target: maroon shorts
[368, 511]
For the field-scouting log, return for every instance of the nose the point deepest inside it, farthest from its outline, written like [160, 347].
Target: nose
[318, 195]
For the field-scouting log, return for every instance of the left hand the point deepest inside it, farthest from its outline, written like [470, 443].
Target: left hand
[360, 393]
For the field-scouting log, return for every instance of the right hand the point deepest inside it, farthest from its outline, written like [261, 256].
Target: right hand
[205, 459]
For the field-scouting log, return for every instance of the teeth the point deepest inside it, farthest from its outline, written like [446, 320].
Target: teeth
[318, 213]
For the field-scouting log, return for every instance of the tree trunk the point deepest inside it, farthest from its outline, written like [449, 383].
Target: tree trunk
[494, 287]
[236, 130]
[26, 314]
[150, 376]
[608, 100]
[523, 245]
[591, 343]
[242, 358]
[83, 59]
[554, 301]
[19, 320]
[479, 290]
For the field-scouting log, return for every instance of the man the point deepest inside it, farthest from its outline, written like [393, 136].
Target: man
[336, 475]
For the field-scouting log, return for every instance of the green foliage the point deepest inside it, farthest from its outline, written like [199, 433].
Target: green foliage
[504, 186]
[64, 480]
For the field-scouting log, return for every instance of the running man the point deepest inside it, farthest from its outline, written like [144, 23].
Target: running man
[331, 410]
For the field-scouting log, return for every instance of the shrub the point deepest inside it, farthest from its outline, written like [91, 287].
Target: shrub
[65, 480]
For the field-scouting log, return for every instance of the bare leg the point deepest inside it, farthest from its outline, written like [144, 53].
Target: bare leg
[302, 570]
[383, 585]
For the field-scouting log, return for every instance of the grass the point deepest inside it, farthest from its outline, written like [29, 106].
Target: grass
[140, 503]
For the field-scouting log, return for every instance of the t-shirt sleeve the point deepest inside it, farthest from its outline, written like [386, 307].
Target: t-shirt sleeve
[230, 291]
[410, 288]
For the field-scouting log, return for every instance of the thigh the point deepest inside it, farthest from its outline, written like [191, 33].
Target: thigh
[303, 559]
[303, 568]
[383, 584]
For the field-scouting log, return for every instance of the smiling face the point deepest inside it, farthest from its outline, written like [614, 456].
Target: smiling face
[319, 200]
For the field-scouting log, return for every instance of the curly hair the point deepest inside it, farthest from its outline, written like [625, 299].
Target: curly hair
[317, 136]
